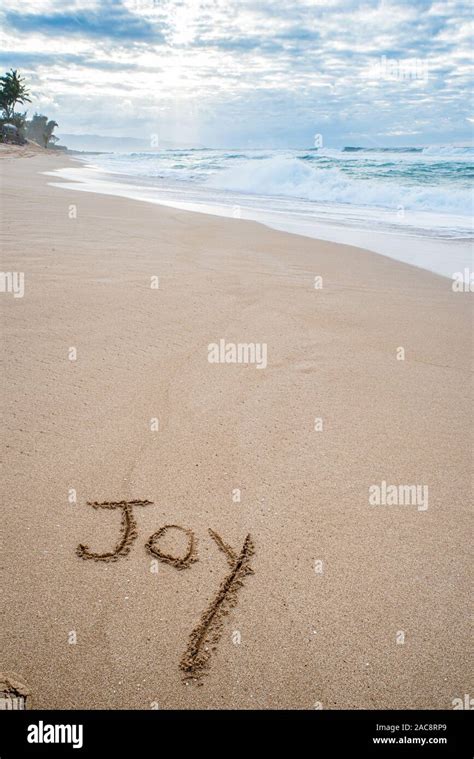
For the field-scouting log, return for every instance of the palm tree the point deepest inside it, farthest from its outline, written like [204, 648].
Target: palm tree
[13, 90]
[48, 132]
[41, 130]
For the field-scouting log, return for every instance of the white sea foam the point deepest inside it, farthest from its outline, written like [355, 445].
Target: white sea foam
[294, 178]
[411, 204]
[450, 151]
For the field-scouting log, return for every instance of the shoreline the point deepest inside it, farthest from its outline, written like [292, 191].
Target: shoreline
[334, 578]
[403, 242]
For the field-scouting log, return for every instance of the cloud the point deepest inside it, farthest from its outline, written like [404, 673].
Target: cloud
[13, 59]
[256, 72]
[110, 19]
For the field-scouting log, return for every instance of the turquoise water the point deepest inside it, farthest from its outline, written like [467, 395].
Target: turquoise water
[433, 179]
[411, 204]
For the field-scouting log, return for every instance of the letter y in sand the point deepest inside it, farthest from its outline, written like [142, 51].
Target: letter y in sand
[206, 634]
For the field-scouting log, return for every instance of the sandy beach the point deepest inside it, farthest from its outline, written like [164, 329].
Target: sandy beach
[109, 396]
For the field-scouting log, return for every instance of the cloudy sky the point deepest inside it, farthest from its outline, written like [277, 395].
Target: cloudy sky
[236, 73]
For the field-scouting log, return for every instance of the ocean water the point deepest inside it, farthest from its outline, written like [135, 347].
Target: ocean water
[370, 197]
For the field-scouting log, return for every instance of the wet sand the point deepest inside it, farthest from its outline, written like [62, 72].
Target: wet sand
[139, 413]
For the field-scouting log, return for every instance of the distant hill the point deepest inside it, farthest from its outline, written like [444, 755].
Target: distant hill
[99, 143]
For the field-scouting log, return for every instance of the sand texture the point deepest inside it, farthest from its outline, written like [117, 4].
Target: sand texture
[292, 597]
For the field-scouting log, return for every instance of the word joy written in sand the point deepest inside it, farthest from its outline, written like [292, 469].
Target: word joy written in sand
[205, 636]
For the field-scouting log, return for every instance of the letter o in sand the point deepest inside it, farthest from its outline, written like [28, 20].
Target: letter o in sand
[179, 562]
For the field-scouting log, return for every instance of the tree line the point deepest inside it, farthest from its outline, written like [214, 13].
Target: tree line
[14, 92]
